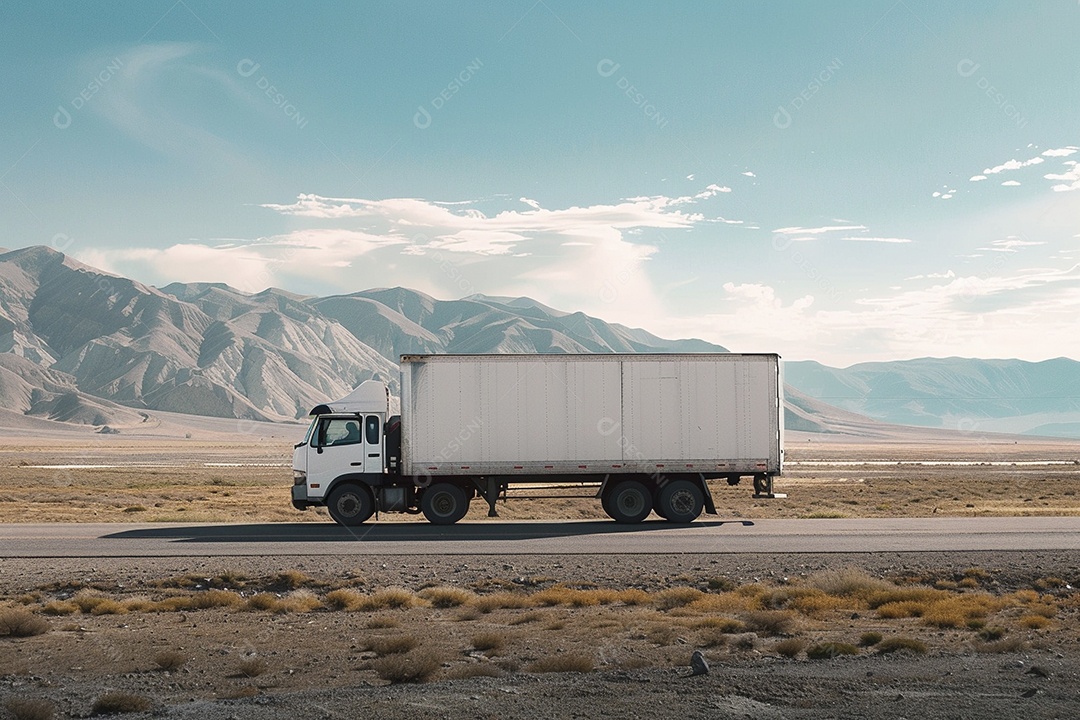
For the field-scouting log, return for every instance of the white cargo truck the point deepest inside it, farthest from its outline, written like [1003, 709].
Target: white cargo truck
[647, 431]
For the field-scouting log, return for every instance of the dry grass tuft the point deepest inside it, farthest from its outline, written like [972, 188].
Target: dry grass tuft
[263, 601]
[502, 601]
[15, 622]
[343, 599]
[30, 709]
[564, 663]
[382, 622]
[897, 644]
[447, 597]
[392, 644]
[1034, 622]
[416, 666]
[108, 606]
[991, 634]
[60, 608]
[871, 638]
[677, 597]
[112, 703]
[489, 641]
[291, 579]
[633, 596]
[170, 660]
[388, 599]
[299, 601]
[712, 637]
[251, 667]
[829, 650]
[769, 622]
[723, 624]
[791, 647]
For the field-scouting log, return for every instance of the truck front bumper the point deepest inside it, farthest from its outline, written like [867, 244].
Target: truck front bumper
[299, 497]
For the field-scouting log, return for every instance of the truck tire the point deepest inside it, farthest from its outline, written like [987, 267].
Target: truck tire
[444, 503]
[680, 501]
[350, 504]
[628, 502]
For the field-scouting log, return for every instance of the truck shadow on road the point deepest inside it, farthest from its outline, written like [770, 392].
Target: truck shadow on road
[398, 532]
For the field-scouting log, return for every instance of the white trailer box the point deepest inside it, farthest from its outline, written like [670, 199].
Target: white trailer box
[532, 415]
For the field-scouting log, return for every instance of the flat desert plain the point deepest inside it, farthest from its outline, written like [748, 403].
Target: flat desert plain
[897, 634]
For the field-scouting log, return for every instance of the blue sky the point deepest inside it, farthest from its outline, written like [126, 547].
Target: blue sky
[843, 181]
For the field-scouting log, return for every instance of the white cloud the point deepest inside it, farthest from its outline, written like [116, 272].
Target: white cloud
[531, 203]
[1013, 165]
[1061, 152]
[1011, 243]
[1010, 183]
[749, 174]
[1071, 179]
[891, 240]
[977, 178]
[817, 230]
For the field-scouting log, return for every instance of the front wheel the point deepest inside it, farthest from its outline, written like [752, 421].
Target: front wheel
[680, 501]
[444, 503]
[628, 502]
[350, 504]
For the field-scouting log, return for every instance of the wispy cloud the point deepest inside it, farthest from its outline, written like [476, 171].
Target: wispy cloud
[889, 240]
[1013, 165]
[817, 230]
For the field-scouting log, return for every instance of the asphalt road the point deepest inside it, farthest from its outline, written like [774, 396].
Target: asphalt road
[529, 538]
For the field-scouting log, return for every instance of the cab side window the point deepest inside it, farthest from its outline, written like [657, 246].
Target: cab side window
[372, 430]
[338, 431]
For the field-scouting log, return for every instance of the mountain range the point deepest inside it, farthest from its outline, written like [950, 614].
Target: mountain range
[80, 345]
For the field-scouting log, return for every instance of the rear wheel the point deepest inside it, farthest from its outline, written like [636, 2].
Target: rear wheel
[680, 501]
[350, 504]
[628, 502]
[444, 503]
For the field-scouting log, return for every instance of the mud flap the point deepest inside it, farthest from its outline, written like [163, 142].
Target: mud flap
[710, 507]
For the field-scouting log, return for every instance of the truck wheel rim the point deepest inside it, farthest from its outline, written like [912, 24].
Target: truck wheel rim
[443, 504]
[682, 502]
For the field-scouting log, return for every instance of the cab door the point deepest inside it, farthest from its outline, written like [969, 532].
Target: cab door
[336, 448]
[373, 444]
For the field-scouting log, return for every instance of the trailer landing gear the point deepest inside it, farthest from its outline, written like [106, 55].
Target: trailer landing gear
[763, 488]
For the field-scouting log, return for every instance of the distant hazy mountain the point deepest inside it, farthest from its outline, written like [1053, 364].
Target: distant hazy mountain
[970, 395]
[81, 345]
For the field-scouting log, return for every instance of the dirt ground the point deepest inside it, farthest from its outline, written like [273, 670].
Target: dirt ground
[890, 635]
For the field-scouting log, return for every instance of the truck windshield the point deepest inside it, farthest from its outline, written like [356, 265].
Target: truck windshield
[310, 430]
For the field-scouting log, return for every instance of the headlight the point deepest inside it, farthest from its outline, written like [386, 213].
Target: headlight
[299, 477]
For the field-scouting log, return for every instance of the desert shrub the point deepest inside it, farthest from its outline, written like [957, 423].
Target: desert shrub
[30, 709]
[291, 579]
[416, 666]
[633, 596]
[215, 598]
[1045, 610]
[676, 597]
[392, 644]
[829, 650]
[1005, 645]
[60, 607]
[380, 622]
[251, 667]
[87, 601]
[790, 648]
[16, 622]
[712, 637]
[747, 598]
[869, 639]
[447, 597]
[817, 603]
[112, 703]
[563, 663]
[299, 601]
[769, 622]
[109, 606]
[1034, 622]
[991, 634]
[263, 601]
[387, 599]
[895, 644]
[464, 671]
[170, 660]
[976, 573]
[562, 595]
[721, 583]
[492, 641]
[720, 623]
[177, 603]
[343, 599]
[917, 595]
[502, 601]
[468, 614]
[902, 609]
[745, 642]
[662, 634]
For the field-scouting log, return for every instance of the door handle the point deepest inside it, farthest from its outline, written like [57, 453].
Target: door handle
[359, 464]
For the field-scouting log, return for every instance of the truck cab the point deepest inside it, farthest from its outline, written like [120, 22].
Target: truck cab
[342, 460]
